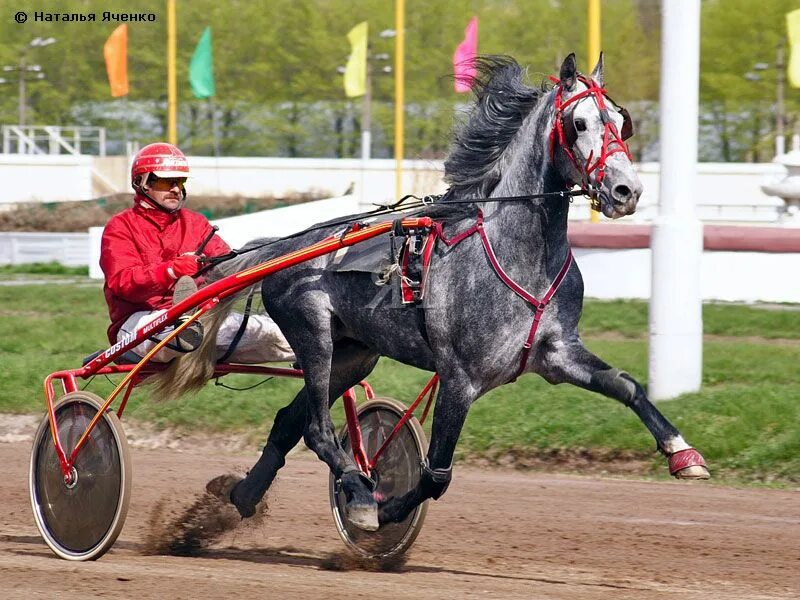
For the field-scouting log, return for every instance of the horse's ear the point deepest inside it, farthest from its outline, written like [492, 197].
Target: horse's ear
[597, 73]
[569, 71]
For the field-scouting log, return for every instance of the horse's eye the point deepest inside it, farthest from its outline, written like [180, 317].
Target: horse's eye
[580, 125]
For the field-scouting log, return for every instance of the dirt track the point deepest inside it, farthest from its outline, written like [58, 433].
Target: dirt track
[496, 534]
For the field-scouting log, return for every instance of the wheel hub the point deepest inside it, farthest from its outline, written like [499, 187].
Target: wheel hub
[71, 479]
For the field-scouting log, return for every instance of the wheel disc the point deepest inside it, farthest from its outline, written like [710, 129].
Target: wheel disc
[80, 518]
[396, 472]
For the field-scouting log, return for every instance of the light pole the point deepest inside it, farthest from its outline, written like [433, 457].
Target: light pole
[366, 108]
[26, 72]
[780, 85]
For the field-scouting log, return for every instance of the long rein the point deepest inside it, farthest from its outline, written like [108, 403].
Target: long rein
[395, 208]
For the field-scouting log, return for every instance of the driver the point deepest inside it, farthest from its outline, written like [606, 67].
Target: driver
[148, 255]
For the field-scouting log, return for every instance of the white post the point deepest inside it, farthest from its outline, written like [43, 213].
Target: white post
[676, 321]
[363, 196]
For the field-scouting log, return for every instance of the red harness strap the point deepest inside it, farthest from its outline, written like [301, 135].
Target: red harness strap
[538, 305]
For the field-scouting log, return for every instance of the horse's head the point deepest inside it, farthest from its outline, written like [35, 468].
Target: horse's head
[588, 141]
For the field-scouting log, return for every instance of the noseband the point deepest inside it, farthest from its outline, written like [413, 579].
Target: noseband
[565, 134]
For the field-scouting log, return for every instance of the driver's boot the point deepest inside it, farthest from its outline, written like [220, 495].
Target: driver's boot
[190, 338]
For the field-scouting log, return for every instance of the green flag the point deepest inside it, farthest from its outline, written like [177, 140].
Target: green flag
[201, 69]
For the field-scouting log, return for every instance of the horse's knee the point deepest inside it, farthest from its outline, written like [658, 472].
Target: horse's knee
[434, 482]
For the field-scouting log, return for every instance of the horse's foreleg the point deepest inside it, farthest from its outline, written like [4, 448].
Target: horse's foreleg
[573, 363]
[452, 405]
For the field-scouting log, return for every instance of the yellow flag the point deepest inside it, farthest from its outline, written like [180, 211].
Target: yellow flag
[355, 73]
[793, 28]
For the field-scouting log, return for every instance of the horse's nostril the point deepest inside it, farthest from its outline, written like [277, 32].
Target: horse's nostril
[621, 193]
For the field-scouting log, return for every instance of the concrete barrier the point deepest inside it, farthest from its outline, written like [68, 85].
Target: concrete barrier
[69, 249]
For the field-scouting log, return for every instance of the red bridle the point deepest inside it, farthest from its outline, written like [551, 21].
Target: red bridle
[613, 142]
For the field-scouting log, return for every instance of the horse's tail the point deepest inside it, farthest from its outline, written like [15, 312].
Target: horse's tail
[189, 372]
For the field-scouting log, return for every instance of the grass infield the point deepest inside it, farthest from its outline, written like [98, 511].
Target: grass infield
[745, 420]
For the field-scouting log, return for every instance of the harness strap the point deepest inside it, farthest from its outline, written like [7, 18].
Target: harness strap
[439, 231]
[526, 347]
[242, 327]
[538, 305]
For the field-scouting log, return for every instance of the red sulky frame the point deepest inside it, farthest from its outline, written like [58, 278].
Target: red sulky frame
[204, 300]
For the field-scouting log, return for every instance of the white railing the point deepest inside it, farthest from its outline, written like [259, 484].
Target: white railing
[52, 139]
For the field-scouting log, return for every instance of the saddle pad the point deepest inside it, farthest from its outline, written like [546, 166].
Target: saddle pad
[370, 256]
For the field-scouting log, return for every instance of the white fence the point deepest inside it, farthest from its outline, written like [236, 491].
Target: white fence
[725, 276]
[70, 249]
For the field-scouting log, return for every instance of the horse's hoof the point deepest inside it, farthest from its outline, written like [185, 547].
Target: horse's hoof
[695, 472]
[363, 517]
[224, 488]
[688, 464]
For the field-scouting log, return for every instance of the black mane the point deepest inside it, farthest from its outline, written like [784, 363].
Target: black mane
[502, 102]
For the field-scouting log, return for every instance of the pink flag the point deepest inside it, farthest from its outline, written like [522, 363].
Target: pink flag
[464, 57]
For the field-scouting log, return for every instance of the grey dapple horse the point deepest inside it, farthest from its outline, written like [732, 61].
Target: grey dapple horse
[484, 319]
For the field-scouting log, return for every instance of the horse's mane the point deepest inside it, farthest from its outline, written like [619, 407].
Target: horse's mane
[502, 102]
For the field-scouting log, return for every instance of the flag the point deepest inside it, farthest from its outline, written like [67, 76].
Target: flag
[464, 58]
[201, 68]
[115, 51]
[793, 29]
[355, 73]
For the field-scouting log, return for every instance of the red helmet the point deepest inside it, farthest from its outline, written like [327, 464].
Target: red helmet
[161, 159]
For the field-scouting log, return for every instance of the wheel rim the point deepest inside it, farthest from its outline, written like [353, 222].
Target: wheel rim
[78, 515]
[396, 472]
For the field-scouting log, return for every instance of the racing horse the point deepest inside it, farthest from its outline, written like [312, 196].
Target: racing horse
[495, 267]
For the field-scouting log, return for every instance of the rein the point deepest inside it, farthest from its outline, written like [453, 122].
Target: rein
[397, 207]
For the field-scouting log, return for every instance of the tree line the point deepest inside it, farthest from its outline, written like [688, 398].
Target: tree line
[279, 92]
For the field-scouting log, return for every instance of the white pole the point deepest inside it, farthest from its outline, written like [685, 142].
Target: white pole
[676, 321]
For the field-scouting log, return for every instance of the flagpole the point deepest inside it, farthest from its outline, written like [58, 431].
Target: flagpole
[214, 125]
[593, 45]
[399, 94]
[125, 120]
[172, 81]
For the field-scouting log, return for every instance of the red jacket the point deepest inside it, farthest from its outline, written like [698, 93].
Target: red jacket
[138, 245]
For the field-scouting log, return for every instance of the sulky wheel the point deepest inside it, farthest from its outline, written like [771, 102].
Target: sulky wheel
[81, 519]
[396, 472]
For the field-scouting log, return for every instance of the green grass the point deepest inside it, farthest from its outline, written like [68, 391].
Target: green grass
[51, 268]
[745, 420]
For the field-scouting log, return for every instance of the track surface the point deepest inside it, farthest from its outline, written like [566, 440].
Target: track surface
[496, 534]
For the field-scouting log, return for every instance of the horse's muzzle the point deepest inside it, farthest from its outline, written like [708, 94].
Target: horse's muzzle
[621, 199]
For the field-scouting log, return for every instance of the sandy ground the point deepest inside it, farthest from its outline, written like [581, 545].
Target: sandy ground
[495, 534]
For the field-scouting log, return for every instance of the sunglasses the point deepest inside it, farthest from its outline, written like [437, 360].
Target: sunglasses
[167, 183]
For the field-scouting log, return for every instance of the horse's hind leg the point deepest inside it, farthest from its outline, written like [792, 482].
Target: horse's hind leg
[573, 363]
[351, 362]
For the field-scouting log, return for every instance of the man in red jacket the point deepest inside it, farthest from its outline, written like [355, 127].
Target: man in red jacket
[149, 248]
